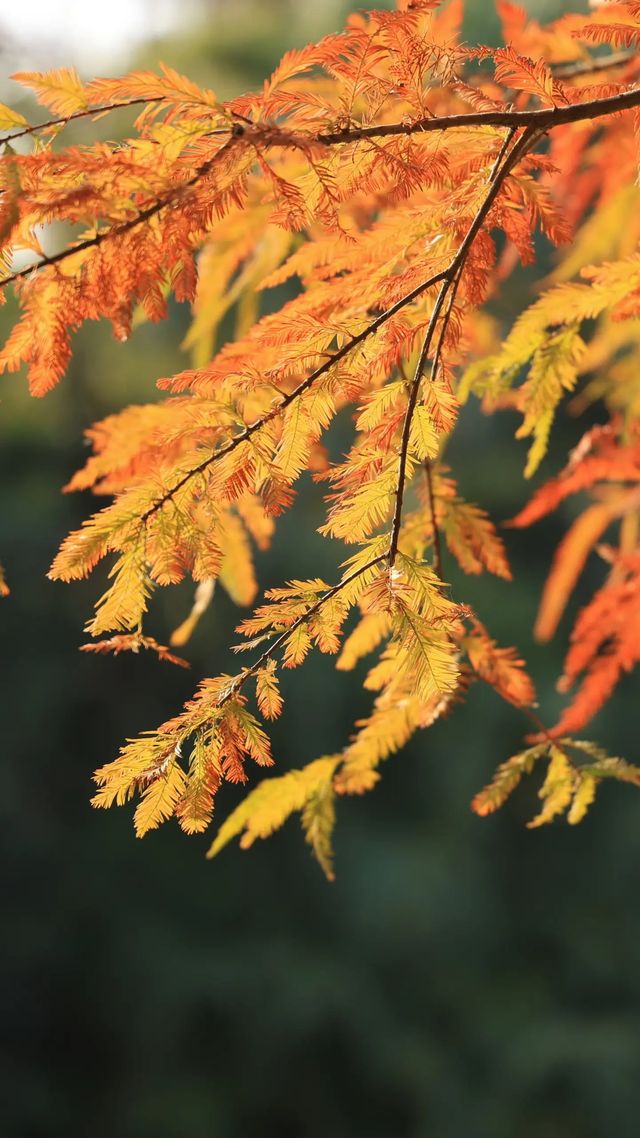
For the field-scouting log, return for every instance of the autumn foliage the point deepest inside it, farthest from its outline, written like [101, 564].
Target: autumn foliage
[396, 176]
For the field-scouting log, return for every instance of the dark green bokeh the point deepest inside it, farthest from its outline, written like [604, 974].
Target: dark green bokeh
[462, 976]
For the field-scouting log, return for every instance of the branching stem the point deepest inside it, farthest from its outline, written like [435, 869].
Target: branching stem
[447, 294]
[305, 385]
[300, 620]
[118, 230]
[90, 112]
[541, 121]
[544, 119]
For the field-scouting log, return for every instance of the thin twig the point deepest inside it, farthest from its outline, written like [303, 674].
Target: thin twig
[91, 112]
[437, 549]
[88, 113]
[125, 227]
[450, 285]
[300, 620]
[501, 153]
[566, 71]
[537, 123]
[408, 419]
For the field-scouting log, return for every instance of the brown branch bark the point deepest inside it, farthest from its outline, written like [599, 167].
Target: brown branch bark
[105, 108]
[88, 113]
[408, 419]
[566, 71]
[536, 122]
[544, 119]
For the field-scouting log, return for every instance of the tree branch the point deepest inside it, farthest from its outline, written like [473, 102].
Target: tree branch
[566, 71]
[300, 620]
[449, 286]
[105, 108]
[541, 120]
[408, 419]
[143, 215]
[544, 119]
[88, 113]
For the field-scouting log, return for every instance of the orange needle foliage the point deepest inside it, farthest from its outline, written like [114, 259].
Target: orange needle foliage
[396, 177]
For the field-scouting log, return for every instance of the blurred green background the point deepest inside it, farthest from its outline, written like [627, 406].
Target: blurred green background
[462, 977]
